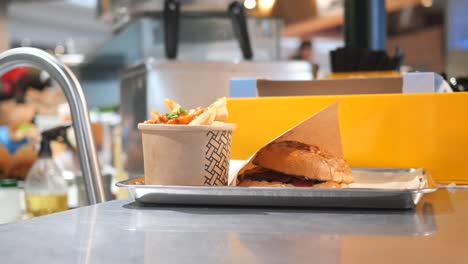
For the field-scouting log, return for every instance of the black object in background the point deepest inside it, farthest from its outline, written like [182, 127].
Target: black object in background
[459, 84]
[239, 23]
[171, 16]
[353, 59]
[365, 40]
[365, 24]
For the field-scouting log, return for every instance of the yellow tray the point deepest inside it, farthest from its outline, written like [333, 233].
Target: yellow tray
[398, 130]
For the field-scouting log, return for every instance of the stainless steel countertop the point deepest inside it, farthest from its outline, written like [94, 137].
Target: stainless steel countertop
[122, 232]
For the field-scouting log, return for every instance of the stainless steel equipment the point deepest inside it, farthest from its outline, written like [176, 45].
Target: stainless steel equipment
[200, 38]
[78, 108]
[359, 197]
[192, 32]
[171, 16]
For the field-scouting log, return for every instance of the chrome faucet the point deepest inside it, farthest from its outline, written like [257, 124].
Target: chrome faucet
[78, 107]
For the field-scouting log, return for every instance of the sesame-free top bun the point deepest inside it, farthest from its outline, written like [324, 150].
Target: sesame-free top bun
[302, 160]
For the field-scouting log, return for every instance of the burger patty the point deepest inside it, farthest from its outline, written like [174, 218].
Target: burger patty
[261, 174]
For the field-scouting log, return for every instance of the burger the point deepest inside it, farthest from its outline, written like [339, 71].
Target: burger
[295, 164]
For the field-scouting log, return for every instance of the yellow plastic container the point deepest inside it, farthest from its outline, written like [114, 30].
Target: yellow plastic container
[398, 130]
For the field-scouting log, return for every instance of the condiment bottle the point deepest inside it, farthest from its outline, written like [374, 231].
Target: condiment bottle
[45, 187]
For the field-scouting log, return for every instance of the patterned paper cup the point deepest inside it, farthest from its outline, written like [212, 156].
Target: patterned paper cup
[186, 155]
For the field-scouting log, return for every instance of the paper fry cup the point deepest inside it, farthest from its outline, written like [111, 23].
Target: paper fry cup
[186, 155]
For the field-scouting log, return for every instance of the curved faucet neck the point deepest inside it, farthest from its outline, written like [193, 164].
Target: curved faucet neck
[78, 108]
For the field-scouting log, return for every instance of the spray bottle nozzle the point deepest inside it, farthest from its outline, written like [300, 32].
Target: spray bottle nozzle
[57, 133]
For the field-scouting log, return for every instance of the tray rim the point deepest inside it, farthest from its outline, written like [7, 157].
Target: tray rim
[432, 186]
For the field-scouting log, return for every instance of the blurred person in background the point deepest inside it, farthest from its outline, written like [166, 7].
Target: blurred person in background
[304, 52]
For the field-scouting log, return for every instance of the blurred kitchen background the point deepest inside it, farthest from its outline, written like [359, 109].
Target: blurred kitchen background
[110, 34]
[189, 50]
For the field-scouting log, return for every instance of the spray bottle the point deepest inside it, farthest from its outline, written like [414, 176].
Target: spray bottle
[45, 186]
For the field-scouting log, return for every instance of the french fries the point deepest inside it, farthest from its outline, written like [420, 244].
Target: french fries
[206, 118]
[215, 114]
[171, 105]
[155, 114]
[221, 109]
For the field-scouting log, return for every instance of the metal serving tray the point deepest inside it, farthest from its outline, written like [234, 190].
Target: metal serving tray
[377, 188]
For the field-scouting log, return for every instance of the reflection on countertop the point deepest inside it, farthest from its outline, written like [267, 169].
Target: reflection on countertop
[126, 232]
